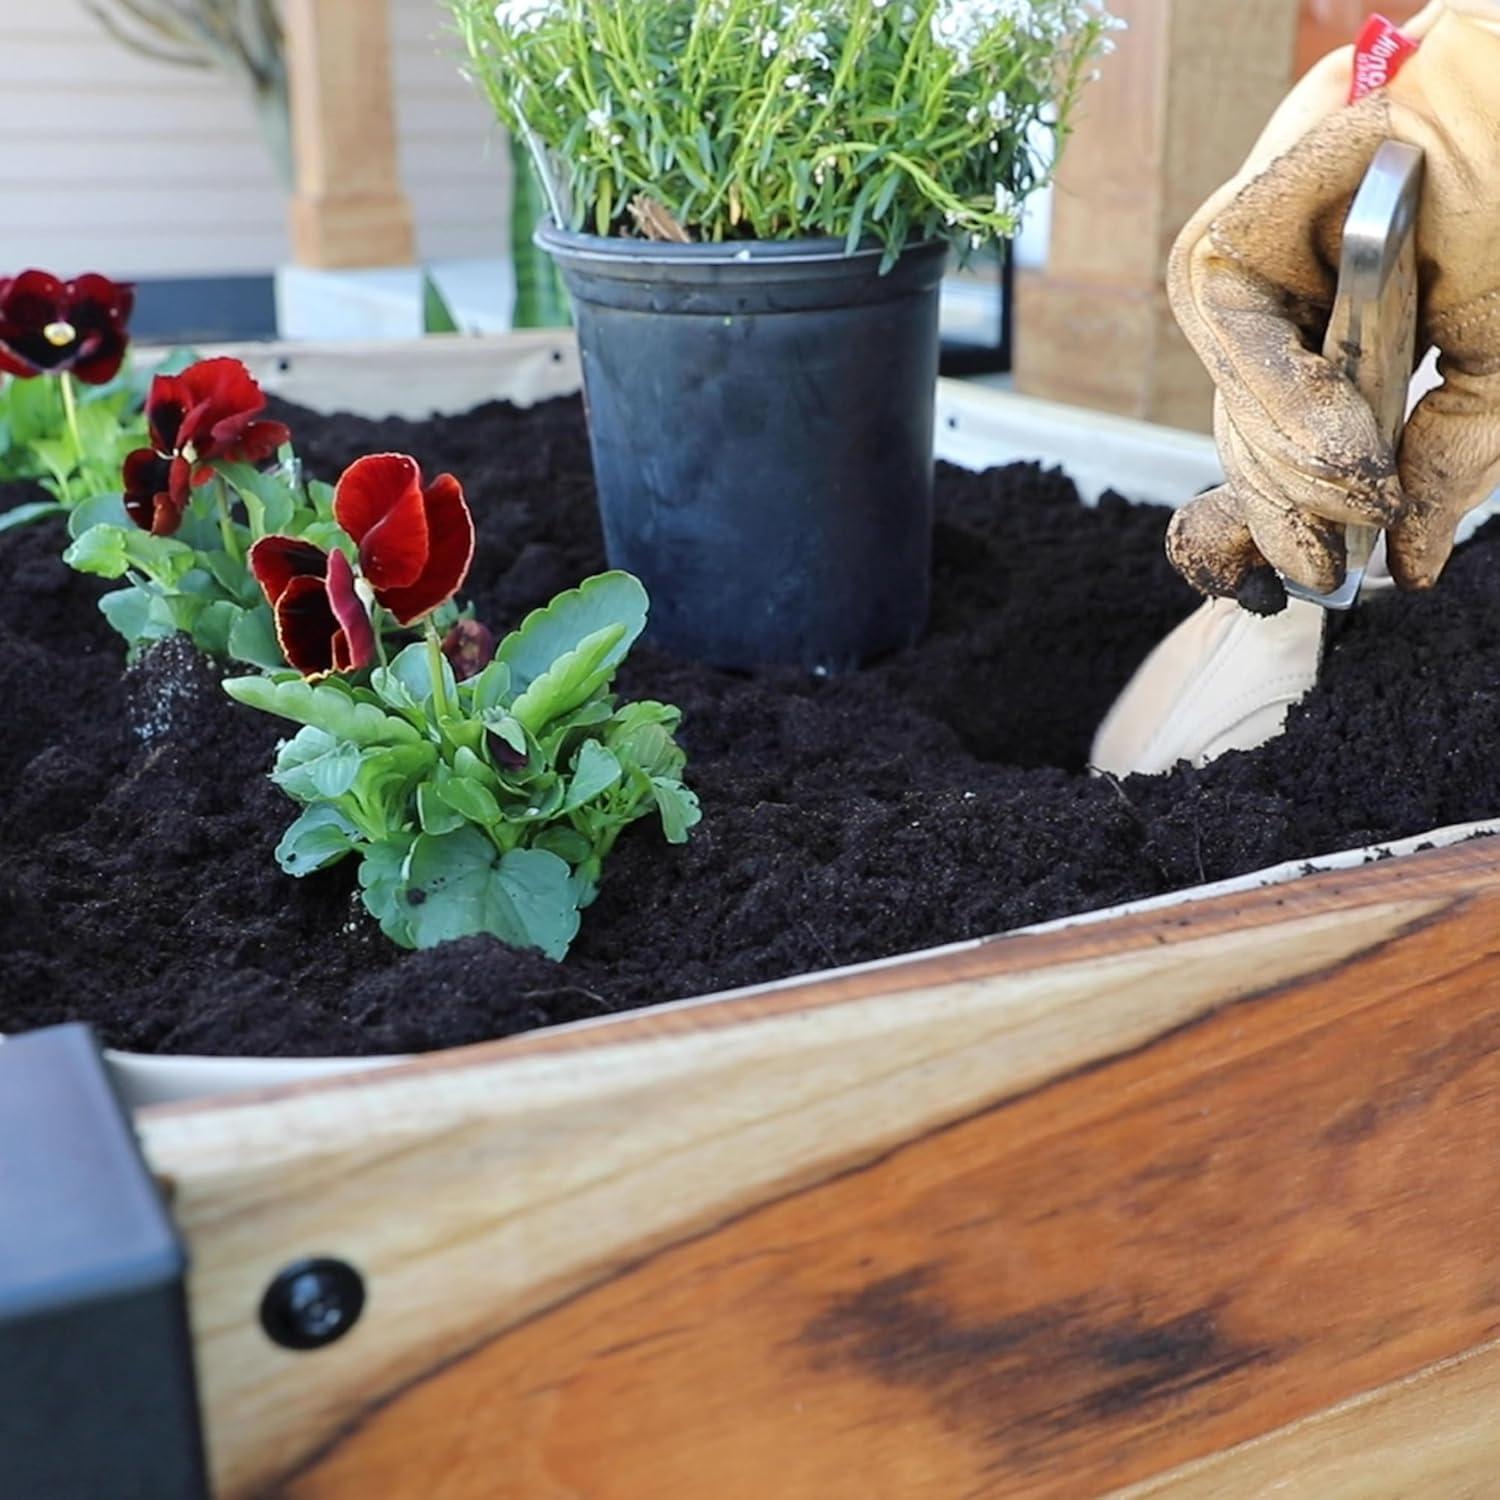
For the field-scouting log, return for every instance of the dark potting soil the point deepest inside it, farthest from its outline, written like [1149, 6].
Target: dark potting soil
[936, 796]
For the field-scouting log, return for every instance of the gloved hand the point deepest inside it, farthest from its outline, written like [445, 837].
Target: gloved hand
[1252, 280]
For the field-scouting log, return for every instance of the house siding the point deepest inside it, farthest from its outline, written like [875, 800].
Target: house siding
[114, 162]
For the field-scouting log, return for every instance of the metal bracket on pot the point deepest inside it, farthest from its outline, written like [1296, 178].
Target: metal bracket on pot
[97, 1392]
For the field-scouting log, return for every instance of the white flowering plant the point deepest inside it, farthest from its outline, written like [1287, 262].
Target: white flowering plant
[883, 120]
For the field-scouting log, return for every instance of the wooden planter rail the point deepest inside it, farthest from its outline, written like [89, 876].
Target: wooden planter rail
[1190, 1203]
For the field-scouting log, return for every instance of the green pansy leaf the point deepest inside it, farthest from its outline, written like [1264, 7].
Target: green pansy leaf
[566, 843]
[320, 837]
[412, 669]
[678, 808]
[134, 613]
[604, 601]
[253, 638]
[269, 502]
[594, 772]
[435, 815]
[313, 764]
[571, 680]
[100, 551]
[214, 625]
[382, 881]
[325, 706]
[475, 801]
[458, 884]
[97, 510]
[486, 691]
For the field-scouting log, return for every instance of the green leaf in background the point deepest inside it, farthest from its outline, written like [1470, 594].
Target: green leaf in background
[313, 764]
[137, 616]
[541, 298]
[437, 316]
[24, 515]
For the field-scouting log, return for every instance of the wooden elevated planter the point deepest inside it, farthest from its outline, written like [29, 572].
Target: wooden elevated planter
[1198, 1200]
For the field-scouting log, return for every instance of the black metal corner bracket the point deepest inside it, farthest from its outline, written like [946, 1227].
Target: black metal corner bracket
[97, 1394]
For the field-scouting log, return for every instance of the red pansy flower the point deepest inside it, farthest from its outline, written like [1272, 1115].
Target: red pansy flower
[321, 622]
[469, 647]
[415, 545]
[48, 326]
[210, 412]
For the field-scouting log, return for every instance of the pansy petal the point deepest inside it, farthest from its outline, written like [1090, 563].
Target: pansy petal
[12, 362]
[179, 482]
[450, 531]
[258, 442]
[306, 626]
[276, 560]
[379, 503]
[144, 479]
[357, 648]
[166, 405]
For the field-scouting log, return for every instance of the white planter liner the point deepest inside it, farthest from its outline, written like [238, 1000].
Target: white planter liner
[978, 427]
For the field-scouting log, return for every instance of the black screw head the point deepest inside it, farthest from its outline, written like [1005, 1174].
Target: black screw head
[311, 1303]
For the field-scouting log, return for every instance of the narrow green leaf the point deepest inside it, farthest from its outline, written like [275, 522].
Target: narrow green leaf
[24, 515]
[571, 680]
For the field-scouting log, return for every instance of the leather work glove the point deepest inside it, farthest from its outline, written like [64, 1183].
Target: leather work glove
[1252, 279]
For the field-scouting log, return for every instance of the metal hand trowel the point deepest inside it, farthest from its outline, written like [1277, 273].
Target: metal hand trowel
[1372, 333]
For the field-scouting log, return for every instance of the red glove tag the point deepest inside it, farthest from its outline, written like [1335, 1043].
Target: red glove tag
[1379, 54]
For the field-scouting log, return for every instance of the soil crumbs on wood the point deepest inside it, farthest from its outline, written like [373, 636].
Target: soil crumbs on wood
[937, 796]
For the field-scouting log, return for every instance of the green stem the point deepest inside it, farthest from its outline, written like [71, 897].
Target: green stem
[440, 702]
[226, 522]
[70, 414]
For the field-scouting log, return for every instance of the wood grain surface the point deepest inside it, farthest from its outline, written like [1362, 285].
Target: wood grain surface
[1187, 1200]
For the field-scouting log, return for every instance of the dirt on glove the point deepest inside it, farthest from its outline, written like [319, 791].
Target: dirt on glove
[939, 795]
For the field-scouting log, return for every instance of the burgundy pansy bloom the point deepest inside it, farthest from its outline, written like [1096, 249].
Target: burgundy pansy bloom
[470, 648]
[415, 545]
[210, 412]
[49, 326]
[321, 622]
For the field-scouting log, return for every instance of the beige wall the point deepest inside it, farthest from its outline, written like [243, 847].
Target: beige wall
[115, 163]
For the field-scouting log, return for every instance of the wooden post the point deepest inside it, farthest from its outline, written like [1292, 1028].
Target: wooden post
[1175, 112]
[348, 208]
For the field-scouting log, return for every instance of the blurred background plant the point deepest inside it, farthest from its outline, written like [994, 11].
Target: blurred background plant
[242, 38]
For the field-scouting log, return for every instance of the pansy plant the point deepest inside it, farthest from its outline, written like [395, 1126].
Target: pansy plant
[484, 803]
[196, 498]
[68, 410]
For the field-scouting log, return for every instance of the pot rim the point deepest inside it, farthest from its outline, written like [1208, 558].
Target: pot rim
[814, 250]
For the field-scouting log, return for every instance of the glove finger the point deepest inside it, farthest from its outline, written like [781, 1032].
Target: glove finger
[1375, 503]
[1209, 543]
[1450, 462]
[1251, 281]
[1305, 548]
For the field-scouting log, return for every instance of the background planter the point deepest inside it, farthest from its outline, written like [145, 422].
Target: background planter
[760, 416]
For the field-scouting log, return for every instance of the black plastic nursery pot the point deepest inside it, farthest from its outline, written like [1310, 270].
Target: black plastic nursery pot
[760, 416]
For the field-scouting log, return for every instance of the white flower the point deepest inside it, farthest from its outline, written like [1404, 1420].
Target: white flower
[598, 117]
[521, 17]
